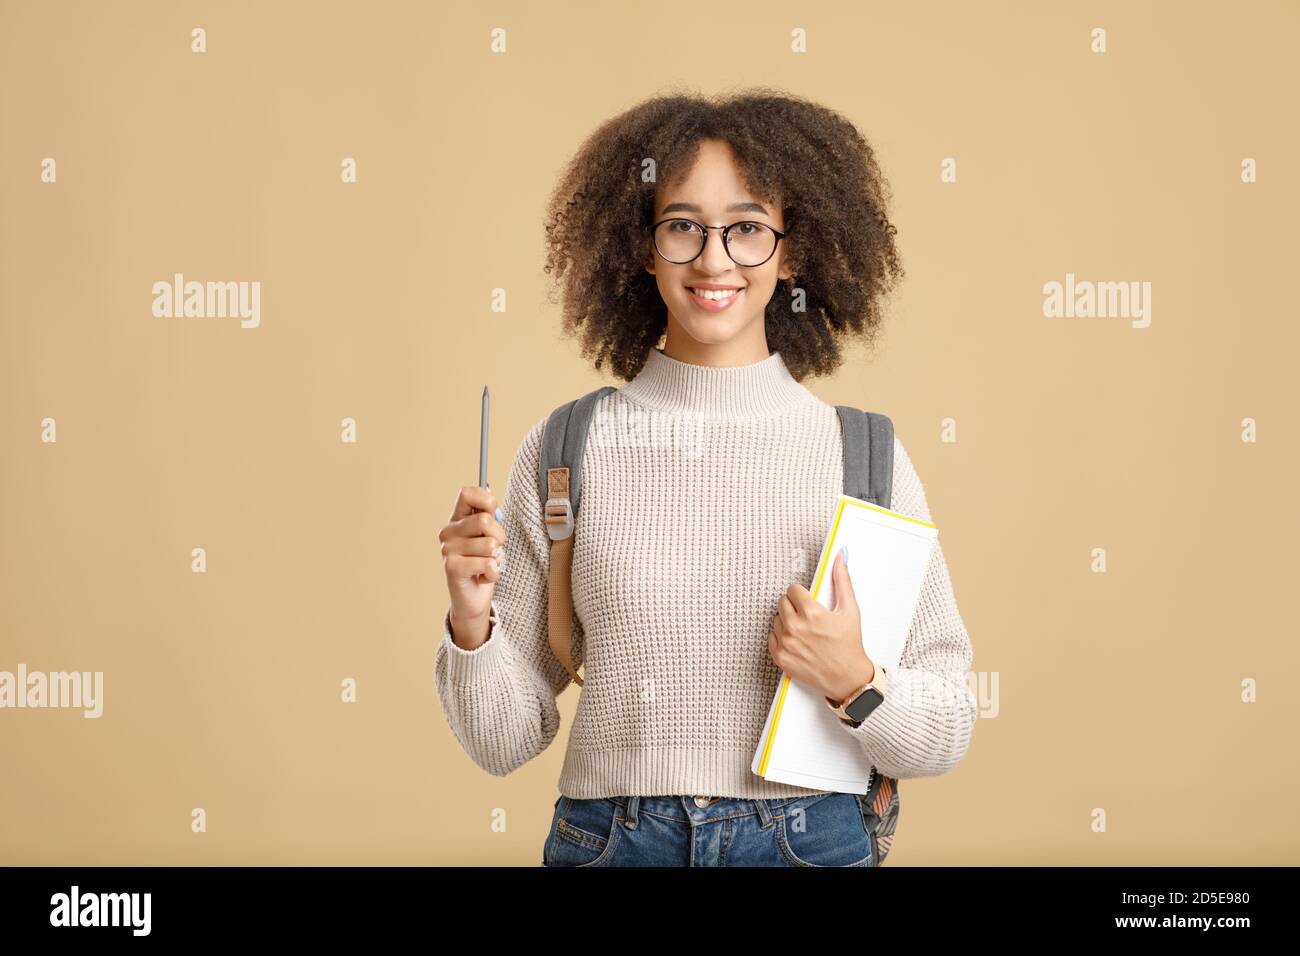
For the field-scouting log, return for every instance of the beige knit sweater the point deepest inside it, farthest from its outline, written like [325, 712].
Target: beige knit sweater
[705, 493]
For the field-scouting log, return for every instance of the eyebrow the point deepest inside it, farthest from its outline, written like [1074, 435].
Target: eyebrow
[734, 207]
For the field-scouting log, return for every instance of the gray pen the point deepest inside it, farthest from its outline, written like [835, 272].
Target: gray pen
[483, 449]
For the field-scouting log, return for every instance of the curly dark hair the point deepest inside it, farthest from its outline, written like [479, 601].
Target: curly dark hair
[833, 201]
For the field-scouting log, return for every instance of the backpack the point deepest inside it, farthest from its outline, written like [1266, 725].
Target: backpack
[868, 441]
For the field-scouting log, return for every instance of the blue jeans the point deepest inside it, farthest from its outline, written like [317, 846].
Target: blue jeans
[821, 829]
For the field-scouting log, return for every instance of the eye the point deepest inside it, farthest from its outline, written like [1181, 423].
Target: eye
[746, 228]
[683, 225]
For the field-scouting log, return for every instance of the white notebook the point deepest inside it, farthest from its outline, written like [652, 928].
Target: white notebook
[803, 742]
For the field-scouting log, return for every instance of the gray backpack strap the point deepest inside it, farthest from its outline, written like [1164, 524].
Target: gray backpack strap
[560, 486]
[868, 454]
[869, 475]
[563, 441]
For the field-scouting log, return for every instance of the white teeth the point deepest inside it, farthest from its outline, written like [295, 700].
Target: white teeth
[715, 293]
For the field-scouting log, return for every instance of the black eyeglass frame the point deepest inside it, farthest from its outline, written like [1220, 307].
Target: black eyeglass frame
[705, 244]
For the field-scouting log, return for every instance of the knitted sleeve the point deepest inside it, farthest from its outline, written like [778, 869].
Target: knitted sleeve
[499, 699]
[923, 726]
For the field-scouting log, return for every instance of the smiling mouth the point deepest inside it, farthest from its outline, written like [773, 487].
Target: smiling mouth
[714, 295]
[715, 301]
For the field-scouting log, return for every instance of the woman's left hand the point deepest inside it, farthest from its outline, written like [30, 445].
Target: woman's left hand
[820, 648]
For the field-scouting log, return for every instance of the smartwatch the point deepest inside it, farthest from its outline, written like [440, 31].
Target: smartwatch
[858, 706]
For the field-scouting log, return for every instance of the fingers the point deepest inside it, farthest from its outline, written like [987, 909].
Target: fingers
[845, 600]
[473, 525]
[802, 601]
[786, 612]
[483, 546]
[473, 498]
[469, 567]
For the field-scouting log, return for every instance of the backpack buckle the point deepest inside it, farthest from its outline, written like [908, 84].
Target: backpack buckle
[559, 518]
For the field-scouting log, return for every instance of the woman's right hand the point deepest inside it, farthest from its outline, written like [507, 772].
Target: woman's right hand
[472, 542]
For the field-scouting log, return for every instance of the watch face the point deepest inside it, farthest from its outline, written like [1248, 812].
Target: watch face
[864, 704]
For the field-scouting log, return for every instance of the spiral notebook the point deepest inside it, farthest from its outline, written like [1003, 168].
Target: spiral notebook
[803, 742]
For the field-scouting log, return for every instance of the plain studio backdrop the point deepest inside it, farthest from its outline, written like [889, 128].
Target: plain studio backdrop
[1143, 714]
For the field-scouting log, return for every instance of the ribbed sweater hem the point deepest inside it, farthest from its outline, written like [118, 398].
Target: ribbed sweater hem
[669, 772]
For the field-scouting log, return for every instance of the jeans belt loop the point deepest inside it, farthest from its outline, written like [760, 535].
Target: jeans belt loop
[633, 805]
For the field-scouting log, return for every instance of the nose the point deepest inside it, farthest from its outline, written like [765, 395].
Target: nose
[714, 259]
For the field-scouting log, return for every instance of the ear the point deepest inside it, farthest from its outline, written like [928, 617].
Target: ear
[789, 260]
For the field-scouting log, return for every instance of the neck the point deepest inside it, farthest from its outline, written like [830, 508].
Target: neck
[749, 345]
[754, 390]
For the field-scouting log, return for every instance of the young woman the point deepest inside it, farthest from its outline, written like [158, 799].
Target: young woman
[714, 253]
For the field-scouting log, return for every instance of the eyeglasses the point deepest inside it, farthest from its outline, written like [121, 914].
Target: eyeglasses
[682, 240]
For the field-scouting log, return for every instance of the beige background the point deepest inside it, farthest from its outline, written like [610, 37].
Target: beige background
[1119, 691]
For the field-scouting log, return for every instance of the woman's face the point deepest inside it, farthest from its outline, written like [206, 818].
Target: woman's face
[730, 330]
